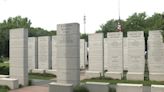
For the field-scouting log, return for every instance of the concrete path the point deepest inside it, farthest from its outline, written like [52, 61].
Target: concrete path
[32, 89]
[40, 85]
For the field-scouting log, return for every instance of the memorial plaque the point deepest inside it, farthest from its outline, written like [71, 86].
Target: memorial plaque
[136, 59]
[155, 56]
[83, 53]
[19, 55]
[32, 53]
[68, 53]
[115, 54]
[54, 53]
[96, 43]
[44, 53]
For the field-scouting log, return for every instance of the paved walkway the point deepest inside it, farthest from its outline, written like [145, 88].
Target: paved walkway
[41, 85]
[32, 89]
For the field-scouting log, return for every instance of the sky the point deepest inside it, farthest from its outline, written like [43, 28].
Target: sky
[48, 13]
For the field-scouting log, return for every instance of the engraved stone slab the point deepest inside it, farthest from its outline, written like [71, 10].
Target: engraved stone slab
[155, 56]
[68, 53]
[83, 53]
[96, 42]
[115, 53]
[19, 55]
[54, 53]
[44, 52]
[105, 53]
[32, 53]
[136, 59]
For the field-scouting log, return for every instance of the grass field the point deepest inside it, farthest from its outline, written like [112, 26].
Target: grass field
[4, 64]
[44, 76]
[4, 89]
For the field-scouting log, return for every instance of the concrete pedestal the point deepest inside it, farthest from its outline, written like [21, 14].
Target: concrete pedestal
[97, 87]
[59, 87]
[157, 88]
[121, 87]
[11, 83]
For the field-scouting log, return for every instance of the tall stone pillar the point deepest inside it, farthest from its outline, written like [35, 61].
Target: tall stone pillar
[68, 53]
[19, 55]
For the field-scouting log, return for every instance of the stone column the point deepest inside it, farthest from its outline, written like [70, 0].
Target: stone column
[44, 52]
[155, 56]
[19, 55]
[68, 53]
[83, 53]
[115, 55]
[136, 58]
[32, 53]
[96, 52]
[54, 53]
[105, 54]
[125, 51]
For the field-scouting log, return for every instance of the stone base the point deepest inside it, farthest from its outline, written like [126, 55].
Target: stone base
[92, 74]
[97, 87]
[51, 72]
[157, 88]
[135, 76]
[4, 76]
[156, 76]
[114, 75]
[11, 83]
[59, 87]
[122, 87]
[38, 71]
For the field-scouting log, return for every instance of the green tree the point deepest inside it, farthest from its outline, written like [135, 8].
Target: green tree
[136, 22]
[5, 26]
[84, 36]
[110, 26]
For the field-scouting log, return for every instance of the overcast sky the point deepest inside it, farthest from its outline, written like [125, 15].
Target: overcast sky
[48, 13]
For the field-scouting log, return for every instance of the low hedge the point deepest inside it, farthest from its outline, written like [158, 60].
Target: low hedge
[80, 88]
[115, 81]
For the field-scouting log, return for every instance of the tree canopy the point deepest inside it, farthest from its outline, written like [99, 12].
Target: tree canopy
[135, 22]
[18, 22]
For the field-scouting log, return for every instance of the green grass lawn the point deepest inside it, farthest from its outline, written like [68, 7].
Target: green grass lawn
[44, 76]
[112, 81]
[4, 89]
[4, 64]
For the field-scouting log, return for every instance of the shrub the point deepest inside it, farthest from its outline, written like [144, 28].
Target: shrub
[4, 87]
[20, 85]
[112, 89]
[80, 88]
[30, 82]
[4, 70]
[44, 74]
[1, 60]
